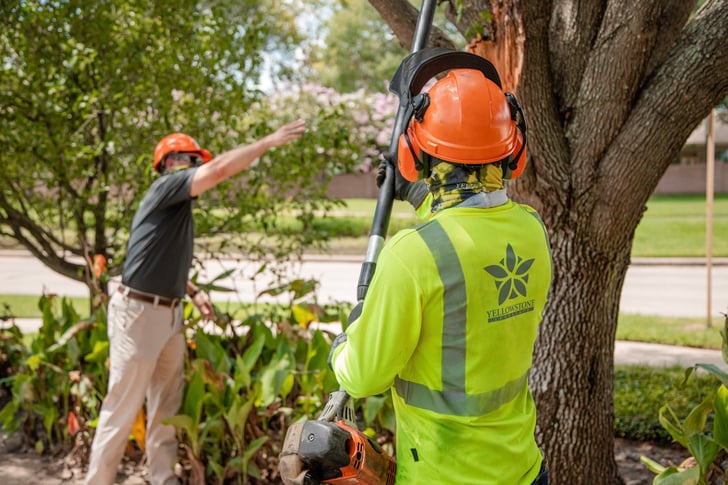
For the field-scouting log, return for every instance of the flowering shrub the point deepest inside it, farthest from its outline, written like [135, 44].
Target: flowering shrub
[368, 118]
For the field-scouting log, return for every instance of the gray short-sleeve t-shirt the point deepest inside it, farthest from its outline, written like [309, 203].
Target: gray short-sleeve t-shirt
[159, 251]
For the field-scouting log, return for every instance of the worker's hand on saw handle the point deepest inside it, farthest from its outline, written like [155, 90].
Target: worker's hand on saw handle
[412, 192]
[336, 407]
[300, 444]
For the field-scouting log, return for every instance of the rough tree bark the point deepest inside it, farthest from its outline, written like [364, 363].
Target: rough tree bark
[611, 92]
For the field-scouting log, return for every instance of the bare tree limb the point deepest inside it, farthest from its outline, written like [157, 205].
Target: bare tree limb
[402, 18]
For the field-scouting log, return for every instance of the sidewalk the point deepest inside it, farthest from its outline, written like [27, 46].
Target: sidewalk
[658, 355]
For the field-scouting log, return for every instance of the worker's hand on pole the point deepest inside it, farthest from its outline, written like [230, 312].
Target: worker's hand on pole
[412, 192]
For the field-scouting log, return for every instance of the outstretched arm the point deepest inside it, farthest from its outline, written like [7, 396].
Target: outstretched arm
[234, 161]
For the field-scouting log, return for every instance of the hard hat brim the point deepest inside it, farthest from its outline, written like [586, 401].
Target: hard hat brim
[205, 155]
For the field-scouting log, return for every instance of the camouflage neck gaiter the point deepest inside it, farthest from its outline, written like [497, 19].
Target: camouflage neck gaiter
[452, 184]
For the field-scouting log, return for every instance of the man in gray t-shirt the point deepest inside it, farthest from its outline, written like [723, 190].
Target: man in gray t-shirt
[159, 251]
[147, 345]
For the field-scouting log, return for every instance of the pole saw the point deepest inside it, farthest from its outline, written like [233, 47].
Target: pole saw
[331, 449]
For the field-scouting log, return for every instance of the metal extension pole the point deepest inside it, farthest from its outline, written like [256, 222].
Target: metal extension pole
[383, 210]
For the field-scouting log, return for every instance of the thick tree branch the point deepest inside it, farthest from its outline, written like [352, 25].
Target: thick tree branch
[402, 18]
[40, 243]
[548, 172]
[571, 36]
[618, 63]
[670, 22]
[691, 81]
[610, 82]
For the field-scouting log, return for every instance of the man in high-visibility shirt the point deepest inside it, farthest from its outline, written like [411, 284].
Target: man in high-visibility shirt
[452, 312]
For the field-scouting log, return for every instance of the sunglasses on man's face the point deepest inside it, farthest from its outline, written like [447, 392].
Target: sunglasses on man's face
[191, 159]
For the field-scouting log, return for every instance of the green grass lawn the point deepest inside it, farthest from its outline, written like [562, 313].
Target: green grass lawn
[688, 332]
[672, 225]
[366, 207]
[675, 226]
[26, 306]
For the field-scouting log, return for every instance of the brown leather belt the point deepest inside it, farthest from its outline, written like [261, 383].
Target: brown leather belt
[149, 298]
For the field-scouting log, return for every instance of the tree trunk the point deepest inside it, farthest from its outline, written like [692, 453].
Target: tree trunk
[573, 372]
[607, 114]
[504, 46]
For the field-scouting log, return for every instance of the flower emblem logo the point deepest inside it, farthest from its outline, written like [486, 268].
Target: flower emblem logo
[511, 275]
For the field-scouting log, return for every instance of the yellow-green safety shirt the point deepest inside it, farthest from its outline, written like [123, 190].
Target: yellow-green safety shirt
[449, 324]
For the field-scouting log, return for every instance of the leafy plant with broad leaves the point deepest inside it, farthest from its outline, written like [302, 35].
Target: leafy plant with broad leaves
[56, 379]
[248, 377]
[704, 433]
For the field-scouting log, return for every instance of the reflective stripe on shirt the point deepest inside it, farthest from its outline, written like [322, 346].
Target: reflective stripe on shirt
[453, 399]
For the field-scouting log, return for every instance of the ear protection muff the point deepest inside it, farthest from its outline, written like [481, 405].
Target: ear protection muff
[514, 166]
[413, 163]
[411, 76]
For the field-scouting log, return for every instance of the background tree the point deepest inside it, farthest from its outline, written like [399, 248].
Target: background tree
[353, 48]
[356, 49]
[88, 88]
[611, 92]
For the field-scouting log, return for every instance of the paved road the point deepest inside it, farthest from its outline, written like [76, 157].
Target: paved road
[675, 288]
[652, 289]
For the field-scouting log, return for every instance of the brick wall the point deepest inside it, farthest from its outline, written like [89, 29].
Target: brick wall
[691, 179]
[354, 186]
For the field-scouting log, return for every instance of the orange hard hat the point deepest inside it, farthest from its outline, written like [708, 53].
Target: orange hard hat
[465, 118]
[178, 143]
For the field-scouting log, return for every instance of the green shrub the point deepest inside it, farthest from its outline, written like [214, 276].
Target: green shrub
[246, 384]
[640, 392]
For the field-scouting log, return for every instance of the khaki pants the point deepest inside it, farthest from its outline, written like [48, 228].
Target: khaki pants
[147, 349]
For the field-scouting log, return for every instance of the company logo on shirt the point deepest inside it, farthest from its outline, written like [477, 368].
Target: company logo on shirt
[511, 279]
